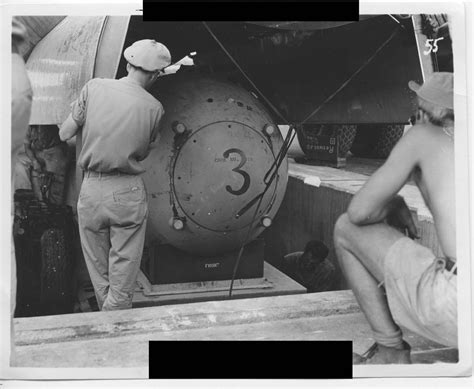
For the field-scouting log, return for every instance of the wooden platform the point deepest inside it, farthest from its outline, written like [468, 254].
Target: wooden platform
[274, 283]
[120, 338]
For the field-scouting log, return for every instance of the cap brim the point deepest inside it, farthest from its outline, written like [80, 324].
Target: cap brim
[414, 86]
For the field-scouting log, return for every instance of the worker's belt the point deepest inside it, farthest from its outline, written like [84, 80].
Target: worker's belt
[449, 264]
[91, 173]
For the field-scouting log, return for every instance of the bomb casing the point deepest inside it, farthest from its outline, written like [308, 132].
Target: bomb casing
[208, 164]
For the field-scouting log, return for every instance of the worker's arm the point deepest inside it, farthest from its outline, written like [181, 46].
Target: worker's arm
[68, 129]
[378, 200]
[77, 117]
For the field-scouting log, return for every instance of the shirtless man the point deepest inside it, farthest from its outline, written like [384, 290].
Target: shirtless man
[371, 242]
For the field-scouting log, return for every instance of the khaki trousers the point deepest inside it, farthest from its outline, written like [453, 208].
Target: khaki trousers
[421, 293]
[112, 212]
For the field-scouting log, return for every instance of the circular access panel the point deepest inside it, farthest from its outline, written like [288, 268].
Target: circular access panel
[218, 171]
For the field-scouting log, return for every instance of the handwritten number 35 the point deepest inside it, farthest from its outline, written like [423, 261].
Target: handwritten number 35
[243, 159]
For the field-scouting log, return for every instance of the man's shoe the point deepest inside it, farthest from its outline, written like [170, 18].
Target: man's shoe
[381, 355]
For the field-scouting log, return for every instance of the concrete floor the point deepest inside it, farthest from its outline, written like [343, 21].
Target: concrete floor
[120, 339]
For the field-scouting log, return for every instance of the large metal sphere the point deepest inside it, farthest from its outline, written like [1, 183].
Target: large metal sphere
[217, 143]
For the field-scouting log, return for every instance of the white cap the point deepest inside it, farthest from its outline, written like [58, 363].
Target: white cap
[437, 89]
[148, 54]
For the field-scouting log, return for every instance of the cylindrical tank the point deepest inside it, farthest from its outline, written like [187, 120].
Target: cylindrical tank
[217, 143]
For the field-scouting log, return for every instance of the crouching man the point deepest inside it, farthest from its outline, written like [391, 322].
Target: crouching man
[374, 243]
[44, 163]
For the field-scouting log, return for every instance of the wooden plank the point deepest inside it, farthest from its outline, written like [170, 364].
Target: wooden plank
[199, 287]
[120, 338]
[132, 350]
[351, 182]
[442, 355]
[62, 328]
[323, 172]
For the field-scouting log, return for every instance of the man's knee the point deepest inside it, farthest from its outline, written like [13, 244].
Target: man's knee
[342, 230]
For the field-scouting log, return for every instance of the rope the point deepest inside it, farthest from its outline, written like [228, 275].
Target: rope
[276, 163]
[289, 137]
[284, 149]
[345, 83]
[286, 145]
[244, 74]
[242, 247]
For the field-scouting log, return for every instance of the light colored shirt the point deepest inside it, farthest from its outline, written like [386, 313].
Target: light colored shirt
[120, 120]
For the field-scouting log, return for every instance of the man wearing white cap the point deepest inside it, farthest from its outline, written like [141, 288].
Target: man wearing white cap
[396, 281]
[119, 121]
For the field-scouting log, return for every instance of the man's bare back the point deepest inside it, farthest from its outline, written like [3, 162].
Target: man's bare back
[435, 178]
[426, 154]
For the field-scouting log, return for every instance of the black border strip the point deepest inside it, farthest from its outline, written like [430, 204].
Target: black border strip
[261, 10]
[250, 359]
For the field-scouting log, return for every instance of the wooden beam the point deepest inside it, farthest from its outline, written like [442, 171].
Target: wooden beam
[120, 338]
[168, 318]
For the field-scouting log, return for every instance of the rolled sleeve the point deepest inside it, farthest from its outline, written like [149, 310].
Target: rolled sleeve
[79, 106]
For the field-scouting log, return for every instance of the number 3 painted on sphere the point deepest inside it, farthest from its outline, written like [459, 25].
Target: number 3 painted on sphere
[243, 160]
